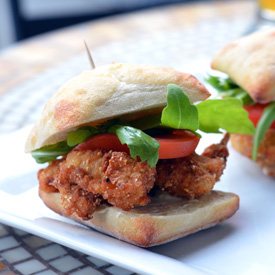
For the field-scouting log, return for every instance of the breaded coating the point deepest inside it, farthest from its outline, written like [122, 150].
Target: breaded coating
[266, 152]
[192, 176]
[86, 178]
[74, 198]
[121, 180]
[46, 176]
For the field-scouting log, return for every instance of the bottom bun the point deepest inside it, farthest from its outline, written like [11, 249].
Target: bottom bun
[266, 152]
[165, 219]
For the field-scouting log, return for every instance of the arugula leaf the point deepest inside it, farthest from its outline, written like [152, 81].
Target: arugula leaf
[227, 114]
[81, 134]
[139, 143]
[264, 123]
[226, 87]
[244, 97]
[221, 84]
[147, 122]
[180, 113]
[104, 127]
[51, 152]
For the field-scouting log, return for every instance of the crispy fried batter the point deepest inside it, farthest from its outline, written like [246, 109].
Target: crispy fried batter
[87, 179]
[194, 175]
[84, 179]
[127, 181]
[46, 176]
[266, 152]
[74, 198]
[122, 181]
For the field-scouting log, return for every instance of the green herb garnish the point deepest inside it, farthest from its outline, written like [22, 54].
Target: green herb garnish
[227, 114]
[51, 152]
[147, 122]
[264, 123]
[221, 84]
[78, 136]
[180, 113]
[139, 143]
[226, 87]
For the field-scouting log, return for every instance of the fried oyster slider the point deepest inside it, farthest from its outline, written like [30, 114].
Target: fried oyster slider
[120, 141]
[250, 66]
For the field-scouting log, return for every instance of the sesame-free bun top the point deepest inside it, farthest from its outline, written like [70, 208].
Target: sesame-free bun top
[106, 92]
[250, 62]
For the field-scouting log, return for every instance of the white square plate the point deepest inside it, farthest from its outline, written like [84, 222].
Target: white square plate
[244, 244]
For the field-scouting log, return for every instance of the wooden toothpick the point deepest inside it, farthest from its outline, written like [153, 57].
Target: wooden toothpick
[89, 55]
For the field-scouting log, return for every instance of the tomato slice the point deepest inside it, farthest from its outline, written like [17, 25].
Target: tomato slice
[105, 142]
[176, 145]
[255, 112]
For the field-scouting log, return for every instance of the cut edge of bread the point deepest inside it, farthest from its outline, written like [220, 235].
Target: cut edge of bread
[165, 219]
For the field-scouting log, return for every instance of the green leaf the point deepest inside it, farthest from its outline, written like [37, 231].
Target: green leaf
[147, 122]
[264, 123]
[180, 113]
[139, 143]
[221, 84]
[226, 87]
[104, 127]
[227, 114]
[80, 135]
[51, 152]
[244, 97]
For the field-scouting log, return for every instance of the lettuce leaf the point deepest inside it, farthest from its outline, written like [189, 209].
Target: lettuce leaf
[227, 114]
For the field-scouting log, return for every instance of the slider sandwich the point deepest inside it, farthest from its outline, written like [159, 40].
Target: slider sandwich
[120, 141]
[250, 67]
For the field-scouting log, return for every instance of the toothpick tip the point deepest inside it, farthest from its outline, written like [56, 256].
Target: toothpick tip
[89, 55]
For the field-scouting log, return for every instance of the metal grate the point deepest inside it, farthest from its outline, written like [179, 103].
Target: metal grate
[23, 253]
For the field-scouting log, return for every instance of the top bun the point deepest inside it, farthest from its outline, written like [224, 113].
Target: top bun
[106, 92]
[250, 62]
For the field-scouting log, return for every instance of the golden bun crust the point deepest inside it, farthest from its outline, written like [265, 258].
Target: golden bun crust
[165, 219]
[108, 91]
[266, 152]
[250, 62]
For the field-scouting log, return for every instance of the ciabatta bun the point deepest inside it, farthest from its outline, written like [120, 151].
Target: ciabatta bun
[106, 92]
[165, 219]
[250, 62]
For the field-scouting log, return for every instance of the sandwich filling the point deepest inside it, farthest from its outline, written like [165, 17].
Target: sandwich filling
[122, 163]
[87, 179]
[261, 145]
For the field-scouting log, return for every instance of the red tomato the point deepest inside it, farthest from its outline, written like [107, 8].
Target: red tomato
[177, 145]
[105, 142]
[255, 112]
